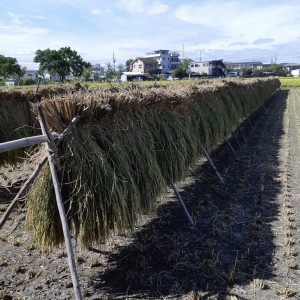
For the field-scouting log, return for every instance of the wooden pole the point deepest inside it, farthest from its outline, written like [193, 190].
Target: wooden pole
[61, 208]
[180, 200]
[213, 166]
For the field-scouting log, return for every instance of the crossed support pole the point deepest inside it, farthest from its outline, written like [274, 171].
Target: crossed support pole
[53, 160]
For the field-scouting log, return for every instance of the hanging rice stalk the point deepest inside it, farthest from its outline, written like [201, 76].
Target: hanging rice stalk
[115, 163]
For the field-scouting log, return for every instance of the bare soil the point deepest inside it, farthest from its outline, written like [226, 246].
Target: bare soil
[244, 244]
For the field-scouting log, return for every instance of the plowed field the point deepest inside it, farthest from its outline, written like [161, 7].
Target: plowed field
[245, 243]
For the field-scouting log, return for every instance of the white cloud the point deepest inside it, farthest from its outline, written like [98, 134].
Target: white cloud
[100, 11]
[238, 23]
[144, 7]
[38, 17]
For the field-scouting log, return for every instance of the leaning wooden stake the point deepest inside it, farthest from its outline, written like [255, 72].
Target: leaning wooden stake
[213, 166]
[180, 200]
[60, 205]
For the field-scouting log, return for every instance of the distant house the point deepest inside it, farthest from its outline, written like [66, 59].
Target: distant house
[289, 67]
[295, 73]
[97, 71]
[32, 74]
[212, 68]
[238, 66]
[135, 76]
[145, 65]
[167, 61]
[10, 82]
[54, 77]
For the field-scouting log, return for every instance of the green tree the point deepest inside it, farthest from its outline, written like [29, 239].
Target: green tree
[247, 72]
[110, 73]
[128, 64]
[19, 74]
[180, 72]
[62, 62]
[120, 69]
[9, 67]
[277, 70]
[87, 73]
[185, 62]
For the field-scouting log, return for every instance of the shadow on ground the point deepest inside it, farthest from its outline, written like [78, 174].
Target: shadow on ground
[232, 240]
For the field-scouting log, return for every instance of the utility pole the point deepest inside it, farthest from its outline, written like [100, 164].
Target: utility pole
[182, 51]
[114, 61]
[200, 55]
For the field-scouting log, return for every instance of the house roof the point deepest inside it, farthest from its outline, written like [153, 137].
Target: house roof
[220, 61]
[290, 64]
[133, 73]
[244, 63]
[147, 60]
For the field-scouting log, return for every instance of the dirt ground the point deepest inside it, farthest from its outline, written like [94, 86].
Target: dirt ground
[244, 244]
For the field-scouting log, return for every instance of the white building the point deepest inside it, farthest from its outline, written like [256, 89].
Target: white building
[10, 82]
[97, 71]
[212, 68]
[134, 76]
[54, 77]
[32, 74]
[167, 60]
[295, 73]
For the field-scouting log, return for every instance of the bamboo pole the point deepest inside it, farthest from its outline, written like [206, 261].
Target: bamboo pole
[230, 146]
[24, 187]
[173, 185]
[61, 209]
[240, 128]
[21, 143]
[250, 122]
[237, 141]
[34, 174]
[214, 167]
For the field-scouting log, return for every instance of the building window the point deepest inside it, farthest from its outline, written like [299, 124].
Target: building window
[140, 66]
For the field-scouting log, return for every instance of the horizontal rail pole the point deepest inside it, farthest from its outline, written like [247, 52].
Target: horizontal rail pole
[21, 143]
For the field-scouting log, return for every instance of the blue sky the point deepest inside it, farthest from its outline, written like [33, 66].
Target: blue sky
[233, 30]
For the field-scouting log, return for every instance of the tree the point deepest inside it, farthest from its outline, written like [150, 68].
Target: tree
[110, 73]
[185, 62]
[128, 64]
[8, 66]
[19, 74]
[277, 70]
[62, 62]
[120, 69]
[180, 72]
[247, 72]
[87, 73]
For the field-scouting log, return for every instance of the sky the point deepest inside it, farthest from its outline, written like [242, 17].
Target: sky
[232, 30]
